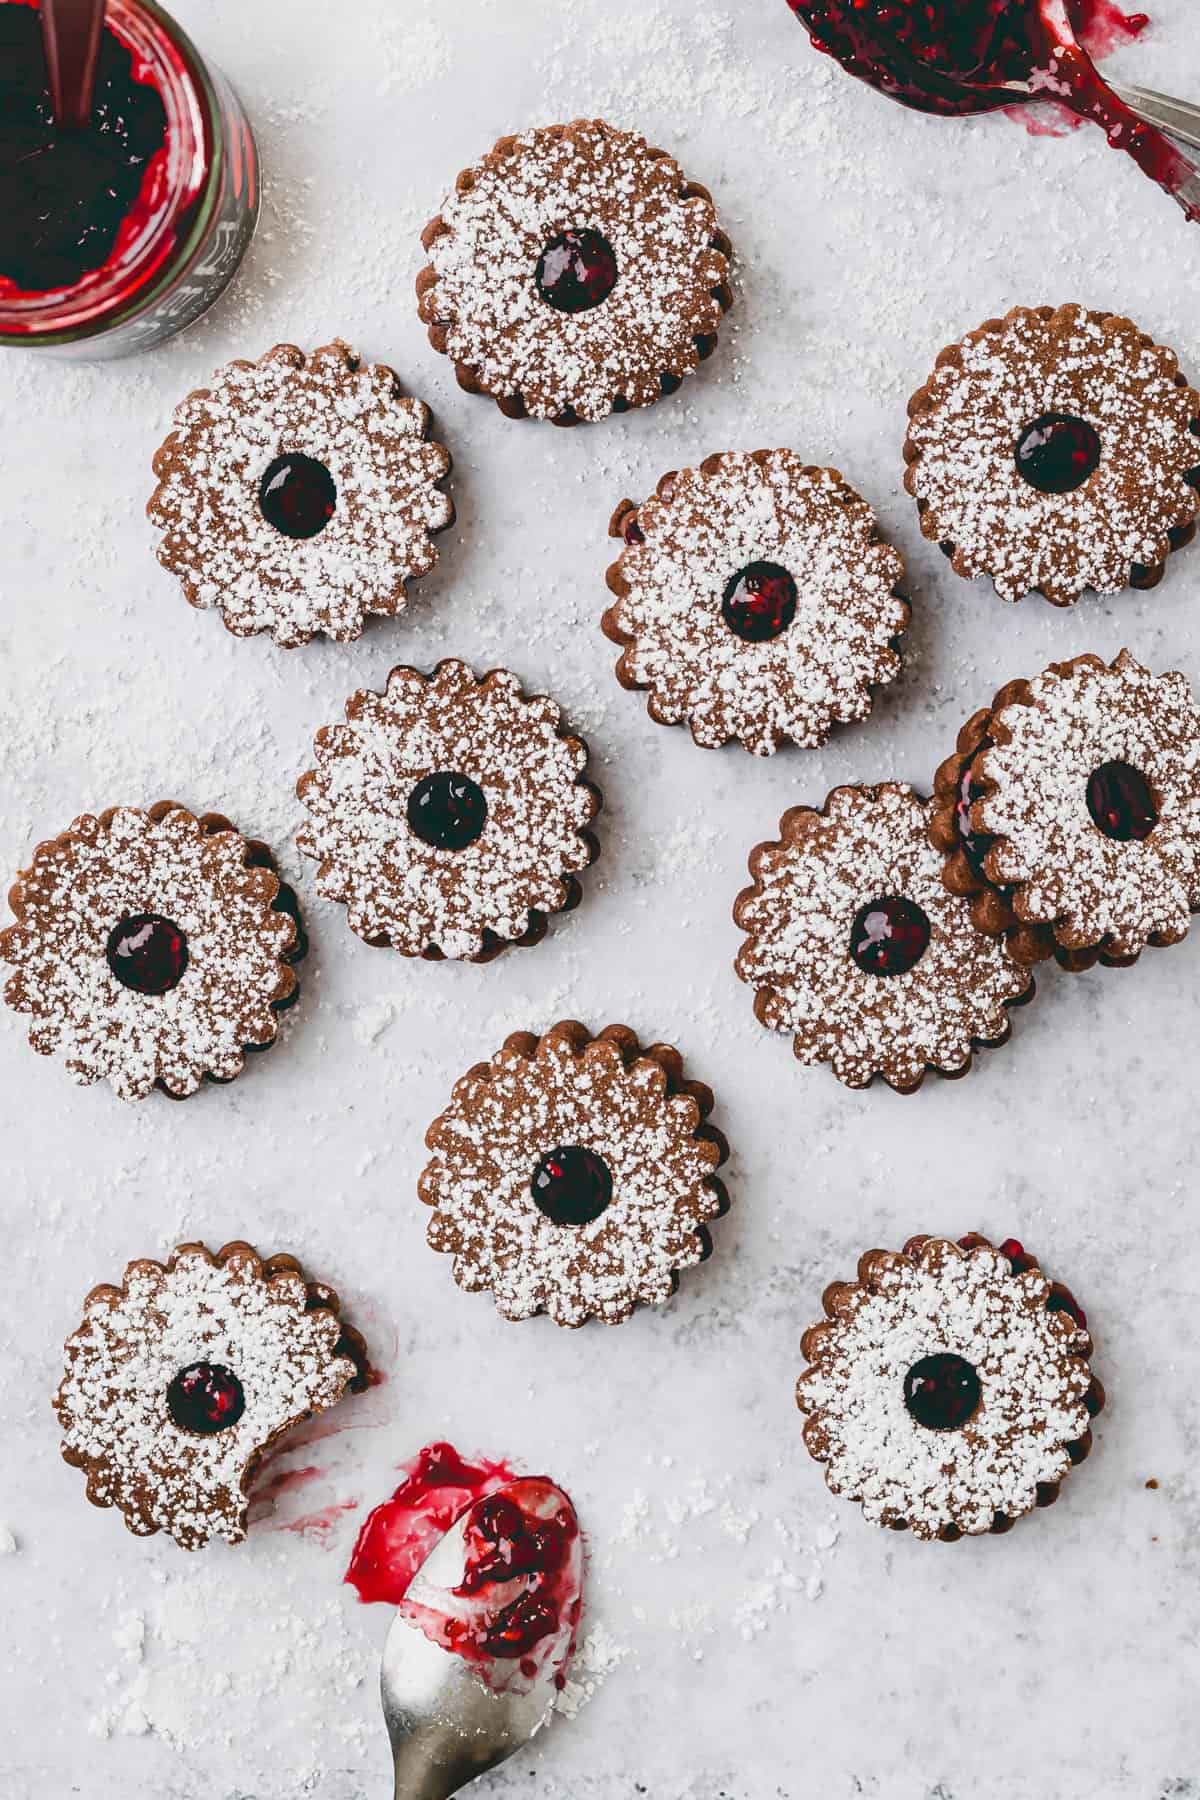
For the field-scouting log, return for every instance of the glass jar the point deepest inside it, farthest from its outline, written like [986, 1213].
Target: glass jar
[190, 226]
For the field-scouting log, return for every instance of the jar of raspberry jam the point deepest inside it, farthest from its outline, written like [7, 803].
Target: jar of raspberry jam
[114, 238]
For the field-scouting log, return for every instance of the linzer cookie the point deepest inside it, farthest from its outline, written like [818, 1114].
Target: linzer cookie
[299, 494]
[949, 1389]
[856, 947]
[755, 601]
[1055, 450]
[574, 272]
[575, 1175]
[152, 949]
[450, 813]
[1070, 814]
[180, 1380]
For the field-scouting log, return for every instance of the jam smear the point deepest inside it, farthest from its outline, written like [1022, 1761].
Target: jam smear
[759, 603]
[571, 1185]
[206, 1398]
[975, 844]
[889, 936]
[1057, 452]
[64, 196]
[943, 1391]
[576, 271]
[438, 1487]
[447, 810]
[1121, 802]
[147, 953]
[297, 495]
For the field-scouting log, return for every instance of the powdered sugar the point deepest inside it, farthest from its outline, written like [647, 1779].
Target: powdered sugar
[867, 844]
[1032, 1370]
[1096, 889]
[704, 528]
[133, 1342]
[966, 422]
[499, 1126]
[357, 424]
[482, 301]
[418, 896]
[103, 871]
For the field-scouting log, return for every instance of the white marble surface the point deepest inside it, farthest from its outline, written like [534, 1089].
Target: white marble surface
[767, 1644]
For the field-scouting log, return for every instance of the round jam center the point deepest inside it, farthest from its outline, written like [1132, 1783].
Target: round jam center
[889, 936]
[147, 953]
[759, 602]
[1057, 453]
[297, 495]
[1121, 802]
[576, 271]
[206, 1398]
[942, 1392]
[571, 1186]
[447, 810]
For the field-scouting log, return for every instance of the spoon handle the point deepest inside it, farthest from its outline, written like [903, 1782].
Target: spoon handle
[71, 34]
[1178, 117]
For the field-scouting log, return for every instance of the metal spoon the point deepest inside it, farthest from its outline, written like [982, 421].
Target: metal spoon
[71, 35]
[445, 1725]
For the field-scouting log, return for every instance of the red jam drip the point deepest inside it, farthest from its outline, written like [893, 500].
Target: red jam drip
[1121, 802]
[576, 271]
[1057, 452]
[759, 602]
[571, 1185]
[64, 196]
[297, 495]
[206, 1398]
[147, 953]
[447, 810]
[889, 936]
[438, 1487]
[942, 1392]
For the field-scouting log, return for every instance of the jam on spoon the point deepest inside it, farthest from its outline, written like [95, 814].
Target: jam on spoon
[966, 56]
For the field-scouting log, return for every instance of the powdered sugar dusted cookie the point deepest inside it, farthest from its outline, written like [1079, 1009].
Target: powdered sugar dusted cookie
[575, 1175]
[299, 494]
[152, 949]
[755, 601]
[179, 1381]
[856, 947]
[450, 813]
[1086, 808]
[574, 272]
[1054, 450]
[949, 1388]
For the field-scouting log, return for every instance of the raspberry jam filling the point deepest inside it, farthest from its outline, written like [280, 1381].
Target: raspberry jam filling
[1057, 452]
[976, 844]
[64, 196]
[942, 1392]
[759, 602]
[889, 936]
[576, 271]
[447, 810]
[513, 1608]
[297, 495]
[206, 1398]
[571, 1186]
[1121, 802]
[147, 953]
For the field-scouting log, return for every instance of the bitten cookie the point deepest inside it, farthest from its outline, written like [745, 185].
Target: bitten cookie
[152, 949]
[574, 272]
[299, 494]
[856, 947]
[450, 813]
[755, 600]
[949, 1388]
[1069, 816]
[1055, 449]
[575, 1175]
[180, 1380]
